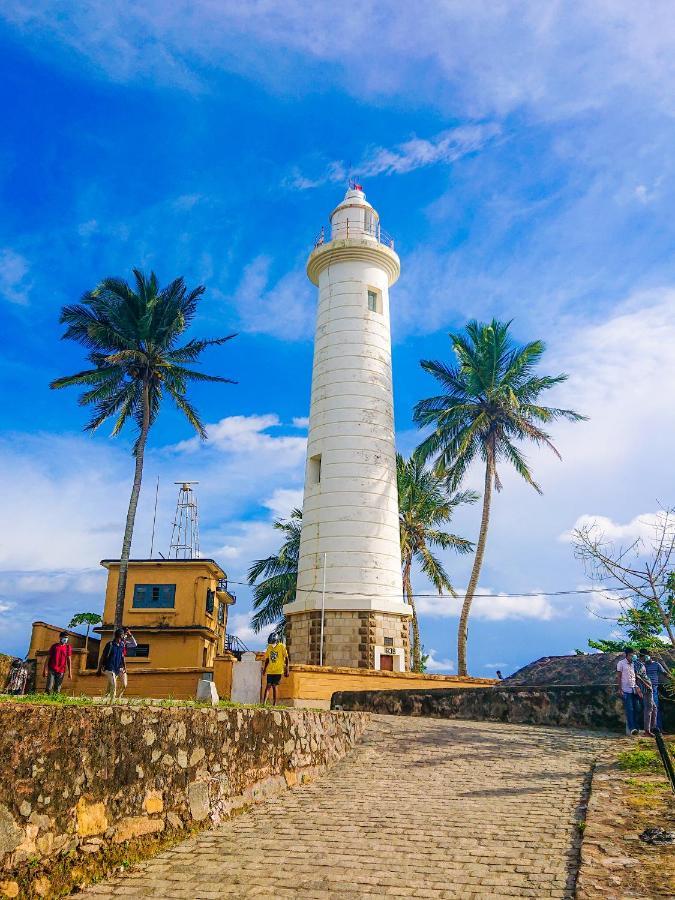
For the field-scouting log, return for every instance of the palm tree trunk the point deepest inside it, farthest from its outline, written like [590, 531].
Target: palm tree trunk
[462, 631]
[416, 652]
[131, 512]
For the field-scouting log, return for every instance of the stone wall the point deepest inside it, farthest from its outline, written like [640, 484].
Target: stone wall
[5, 665]
[80, 778]
[581, 706]
[349, 637]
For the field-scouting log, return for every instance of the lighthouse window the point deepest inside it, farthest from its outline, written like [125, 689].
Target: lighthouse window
[315, 469]
[374, 301]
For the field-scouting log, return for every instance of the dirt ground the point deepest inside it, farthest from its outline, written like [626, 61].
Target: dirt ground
[629, 794]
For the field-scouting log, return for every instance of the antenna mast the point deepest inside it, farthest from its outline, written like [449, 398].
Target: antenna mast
[185, 533]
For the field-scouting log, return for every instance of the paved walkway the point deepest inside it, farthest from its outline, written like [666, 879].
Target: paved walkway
[422, 808]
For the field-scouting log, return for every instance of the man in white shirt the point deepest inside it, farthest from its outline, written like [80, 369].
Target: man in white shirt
[628, 690]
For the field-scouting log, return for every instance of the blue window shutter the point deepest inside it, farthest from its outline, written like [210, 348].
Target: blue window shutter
[154, 596]
[167, 595]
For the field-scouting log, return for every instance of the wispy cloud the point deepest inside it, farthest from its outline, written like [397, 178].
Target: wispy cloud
[415, 153]
[557, 59]
[284, 308]
[14, 280]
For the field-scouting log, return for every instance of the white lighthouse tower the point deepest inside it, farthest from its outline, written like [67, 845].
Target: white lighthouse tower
[349, 608]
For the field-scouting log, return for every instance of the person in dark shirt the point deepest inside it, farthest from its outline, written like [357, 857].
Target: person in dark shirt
[57, 664]
[657, 673]
[112, 664]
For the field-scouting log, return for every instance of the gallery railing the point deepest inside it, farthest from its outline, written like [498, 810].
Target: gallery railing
[335, 231]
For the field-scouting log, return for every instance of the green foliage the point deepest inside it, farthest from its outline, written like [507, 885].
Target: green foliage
[424, 660]
[488, 404]
[425, 505]
[274, 579]
[132, 335]
[641, 623]
[640, 759]
[84, 618]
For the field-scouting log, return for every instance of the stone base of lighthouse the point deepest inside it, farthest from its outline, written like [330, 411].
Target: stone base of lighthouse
[354, 639]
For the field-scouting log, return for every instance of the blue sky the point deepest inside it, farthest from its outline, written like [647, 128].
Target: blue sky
[521, 156]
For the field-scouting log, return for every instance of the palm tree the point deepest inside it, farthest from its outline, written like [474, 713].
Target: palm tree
[132, 336]
[280, 573]
[424, 506]
[489, 404]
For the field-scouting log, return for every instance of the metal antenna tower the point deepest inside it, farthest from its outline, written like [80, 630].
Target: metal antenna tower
[185, 533]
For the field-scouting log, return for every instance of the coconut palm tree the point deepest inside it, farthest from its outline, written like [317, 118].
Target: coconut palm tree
[280, 576]
[489, 404]
[132, 336]
[424, 506]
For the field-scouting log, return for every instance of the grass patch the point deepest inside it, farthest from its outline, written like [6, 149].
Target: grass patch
[68, 700]
[639, 759]
[647, 787]
[74, 871]
[643, 757]
[51, 699]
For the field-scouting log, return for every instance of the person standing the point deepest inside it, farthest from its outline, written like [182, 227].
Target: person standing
[112, 663]
[276, 664]
[57, 664]
[18, 676]
[647, 694]
[628, 690]
[656, 672]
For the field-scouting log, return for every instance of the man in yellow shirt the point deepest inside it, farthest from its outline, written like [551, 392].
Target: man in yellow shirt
[276, 665]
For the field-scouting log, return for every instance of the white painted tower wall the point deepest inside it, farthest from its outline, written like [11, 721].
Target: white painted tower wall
[351, 513]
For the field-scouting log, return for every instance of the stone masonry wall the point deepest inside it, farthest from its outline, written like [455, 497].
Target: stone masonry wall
[584, 706]
[78, 778]
[349, 637]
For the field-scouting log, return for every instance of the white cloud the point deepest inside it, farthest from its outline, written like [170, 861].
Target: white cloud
[415, 153]
[239, 624]
[439, 665]
[641, 528]
[301, 421]
[285, 309]
[243, 435]
[488, 606]
[283, 501]
[65, 504]
[556, 59]
[499, 665]
[14, 283]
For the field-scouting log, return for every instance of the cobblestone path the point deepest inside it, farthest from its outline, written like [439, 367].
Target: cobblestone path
[422, 808]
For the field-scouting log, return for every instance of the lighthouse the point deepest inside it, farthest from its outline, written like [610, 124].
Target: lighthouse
[349, 608]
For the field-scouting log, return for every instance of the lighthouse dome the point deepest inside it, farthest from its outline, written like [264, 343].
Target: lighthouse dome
[354, 217]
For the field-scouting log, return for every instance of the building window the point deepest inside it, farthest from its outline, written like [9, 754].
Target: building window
[374, 301]
[139, 651]
[388, 642]
[315, 469]
[221, 613]
[210, 601]
[154, 596]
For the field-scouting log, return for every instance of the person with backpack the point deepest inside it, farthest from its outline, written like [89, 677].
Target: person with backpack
[112, 665]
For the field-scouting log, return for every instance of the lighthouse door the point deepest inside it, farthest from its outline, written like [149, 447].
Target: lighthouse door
[387, 663]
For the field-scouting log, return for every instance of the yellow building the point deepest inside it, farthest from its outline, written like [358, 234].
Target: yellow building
[175, 608]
